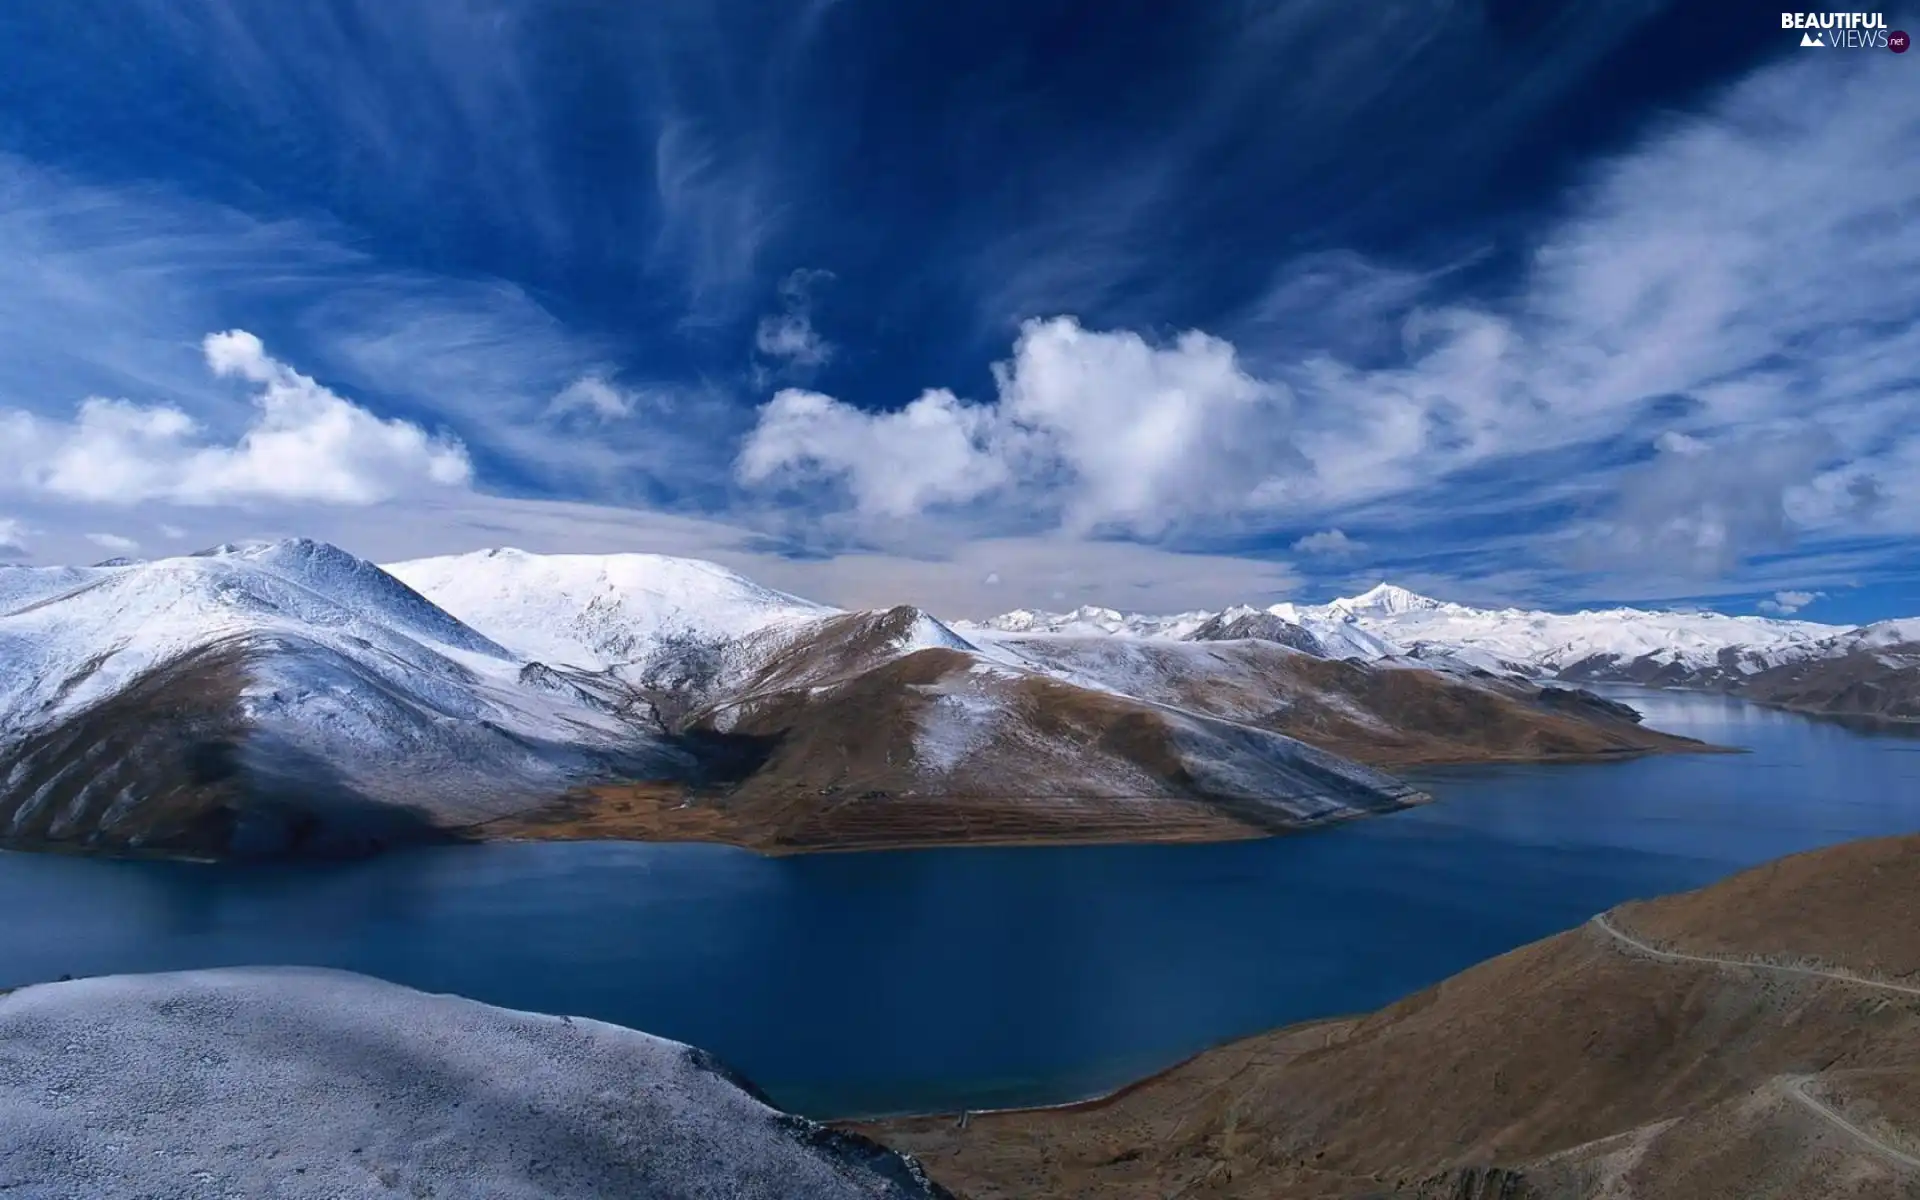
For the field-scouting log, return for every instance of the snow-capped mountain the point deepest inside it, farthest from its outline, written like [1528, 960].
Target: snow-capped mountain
[1392, 623]
[291, 696]
[286, 670]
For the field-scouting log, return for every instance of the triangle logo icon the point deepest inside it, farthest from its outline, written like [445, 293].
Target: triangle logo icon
[1808, 39]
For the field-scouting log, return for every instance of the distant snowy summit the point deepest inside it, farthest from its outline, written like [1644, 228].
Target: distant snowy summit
[1868, 670]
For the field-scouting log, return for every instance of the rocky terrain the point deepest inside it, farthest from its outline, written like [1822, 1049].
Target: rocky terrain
[305, 1083]
[1755, 1040]
[288, 698]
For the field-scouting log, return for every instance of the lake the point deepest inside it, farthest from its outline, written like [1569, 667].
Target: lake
[858, 984]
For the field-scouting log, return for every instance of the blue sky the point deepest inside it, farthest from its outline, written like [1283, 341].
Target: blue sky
[977, 306]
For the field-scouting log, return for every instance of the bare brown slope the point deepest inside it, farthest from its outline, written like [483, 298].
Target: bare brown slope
[851, 764]
[1883, 685]
[1384, 716]
[1575, 1067]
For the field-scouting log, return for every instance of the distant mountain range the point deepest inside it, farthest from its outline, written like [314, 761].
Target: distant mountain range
[1868, 671]
[291, 698]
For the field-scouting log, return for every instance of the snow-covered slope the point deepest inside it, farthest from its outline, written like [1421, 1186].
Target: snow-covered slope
[292, 662]
[598, 611]
[303, 1083]
[1388, 622]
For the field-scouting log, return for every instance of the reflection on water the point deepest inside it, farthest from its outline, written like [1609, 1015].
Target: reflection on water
[944, 978]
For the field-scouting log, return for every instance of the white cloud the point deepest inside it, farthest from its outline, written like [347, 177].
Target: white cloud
[1786, 603]
[594, 396]
[173, 532]
[789, 335]
[1702, 506]
[1330, 543]
[13, 537]
[712, 219]
[114, 542]
[934, 451]
[304, 442]
[1738, 292]
[1113, 431]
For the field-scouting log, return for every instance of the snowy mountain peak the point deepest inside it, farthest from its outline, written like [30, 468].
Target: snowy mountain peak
[597, 610]
[1385, 599]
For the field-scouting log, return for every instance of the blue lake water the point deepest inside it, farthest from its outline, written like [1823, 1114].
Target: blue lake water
[939, 979]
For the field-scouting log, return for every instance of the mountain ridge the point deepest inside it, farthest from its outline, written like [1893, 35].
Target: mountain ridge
[290, 697]
[1868, 671]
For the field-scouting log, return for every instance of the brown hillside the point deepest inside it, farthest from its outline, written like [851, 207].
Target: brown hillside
[1574, 1067]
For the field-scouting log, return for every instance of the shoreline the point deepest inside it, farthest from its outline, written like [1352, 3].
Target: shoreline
[1105, 1099]
[659, 813]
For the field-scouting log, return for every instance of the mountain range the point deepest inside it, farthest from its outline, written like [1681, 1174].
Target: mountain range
[289, 697]
[1867, 671]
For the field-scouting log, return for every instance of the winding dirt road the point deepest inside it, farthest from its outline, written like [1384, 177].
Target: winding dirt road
[1795, 1087]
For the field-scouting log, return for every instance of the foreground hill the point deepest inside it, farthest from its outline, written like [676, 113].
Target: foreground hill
[306, 1083]
[1754, 1040]
[290, 698]
[1872, 671]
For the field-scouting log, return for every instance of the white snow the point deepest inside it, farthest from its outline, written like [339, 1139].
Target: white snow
[598, 611]
[301, 1083]
[960, 720]
[342, 661]
[21, 586]
[1387, 621]
[1903, 632]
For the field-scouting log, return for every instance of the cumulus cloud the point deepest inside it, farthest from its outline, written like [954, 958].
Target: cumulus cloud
[1786, 603]
[13, 537]
[304, 443]
[114, 542]
[1329, 543]
[936, 450]
[1114, 431]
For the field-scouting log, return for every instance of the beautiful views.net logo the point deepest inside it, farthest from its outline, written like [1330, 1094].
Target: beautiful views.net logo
[1846, 31]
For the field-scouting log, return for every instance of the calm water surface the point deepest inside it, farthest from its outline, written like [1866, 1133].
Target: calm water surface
[938, 979]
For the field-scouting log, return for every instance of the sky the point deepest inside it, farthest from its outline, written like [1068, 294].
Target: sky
[981, 306]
